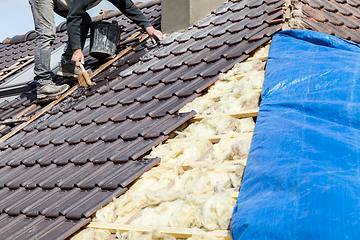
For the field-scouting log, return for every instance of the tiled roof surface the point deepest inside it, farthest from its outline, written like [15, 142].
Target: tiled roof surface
[83, 152]
[336, 17]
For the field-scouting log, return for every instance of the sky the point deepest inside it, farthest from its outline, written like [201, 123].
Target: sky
[16, 17]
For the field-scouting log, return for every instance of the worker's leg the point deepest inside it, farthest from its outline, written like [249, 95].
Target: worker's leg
[45, 35]
[67, 68]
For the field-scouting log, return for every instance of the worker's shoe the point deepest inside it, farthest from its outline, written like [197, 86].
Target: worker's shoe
[50, 90]
[68, 70]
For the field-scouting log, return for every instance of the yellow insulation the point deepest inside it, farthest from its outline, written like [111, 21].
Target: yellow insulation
[158, 178]
[231, 147]
[216, 213]
[238, 69]
[213, 126]
[132, 235]
[121, 209]
[230, 103]
[182, 151]
[204, 237]
[92, 234]
[202, 105]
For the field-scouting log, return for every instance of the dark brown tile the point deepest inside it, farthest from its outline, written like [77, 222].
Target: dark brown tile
[204, 32]
[143, 109]
[187, 35]
[93, 114]
[205, 22]
[223, 9]
[108, 172]
[167, 127]
[200, 44]
[182, 48]
[193, 72]
[140, 167]
[73, 200]
[133, 95]
[238, 37]
[139, 80]
[197, 57]
[87, 152]
[178, 61]
[238, 6]
[160, 65]
[18, 226]
[333, 18]
[127, 110]
[172, 105]
[353, 3]
[344, 10]
[120, 156]
[318, 26]
[175, 74]
[117, 97]
[20, 202]
[94, 202]
[166, 50]
[218, 42]
[60, 154]
[267, 32]
[221, 19]
[49, 227]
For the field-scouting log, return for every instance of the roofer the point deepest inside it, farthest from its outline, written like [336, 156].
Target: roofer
[78, 24]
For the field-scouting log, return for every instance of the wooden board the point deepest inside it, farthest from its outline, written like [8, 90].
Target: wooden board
[217, 98]
[243, 114]
[262, 58]
[176, 232]
[38, 114]
[213, 139]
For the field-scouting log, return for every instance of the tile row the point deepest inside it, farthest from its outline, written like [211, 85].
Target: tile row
[90, 137]
[73, 204]
[339, 18]
[349, 34]
[107, 175]
[40, 227]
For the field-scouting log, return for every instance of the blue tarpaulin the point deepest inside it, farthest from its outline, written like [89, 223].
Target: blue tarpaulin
[302, 179]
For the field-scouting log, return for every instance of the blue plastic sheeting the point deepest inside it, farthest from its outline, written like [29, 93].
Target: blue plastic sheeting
[302, 180]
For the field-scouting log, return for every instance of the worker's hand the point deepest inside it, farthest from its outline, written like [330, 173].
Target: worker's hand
[154, 34]
[77, 57]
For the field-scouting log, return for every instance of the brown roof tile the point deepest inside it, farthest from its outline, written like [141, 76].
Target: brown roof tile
[335, 17]
[86, 150]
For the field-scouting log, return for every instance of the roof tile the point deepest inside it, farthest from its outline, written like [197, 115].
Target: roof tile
[74, 156]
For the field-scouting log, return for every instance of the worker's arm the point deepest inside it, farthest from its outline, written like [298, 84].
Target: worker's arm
[129, 9]
[74, 20]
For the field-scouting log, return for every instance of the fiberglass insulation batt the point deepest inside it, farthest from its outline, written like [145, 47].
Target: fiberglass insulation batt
[302, 174]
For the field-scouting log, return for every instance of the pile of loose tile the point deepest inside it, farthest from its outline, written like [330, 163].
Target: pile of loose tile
[336, 17]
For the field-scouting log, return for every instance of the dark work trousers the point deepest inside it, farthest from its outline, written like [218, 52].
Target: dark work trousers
[43, 13]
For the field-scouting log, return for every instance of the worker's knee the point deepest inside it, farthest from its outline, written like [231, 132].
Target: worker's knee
[45, 39]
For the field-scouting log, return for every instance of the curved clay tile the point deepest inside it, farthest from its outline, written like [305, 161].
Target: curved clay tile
[30, 35]
[18, 39]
